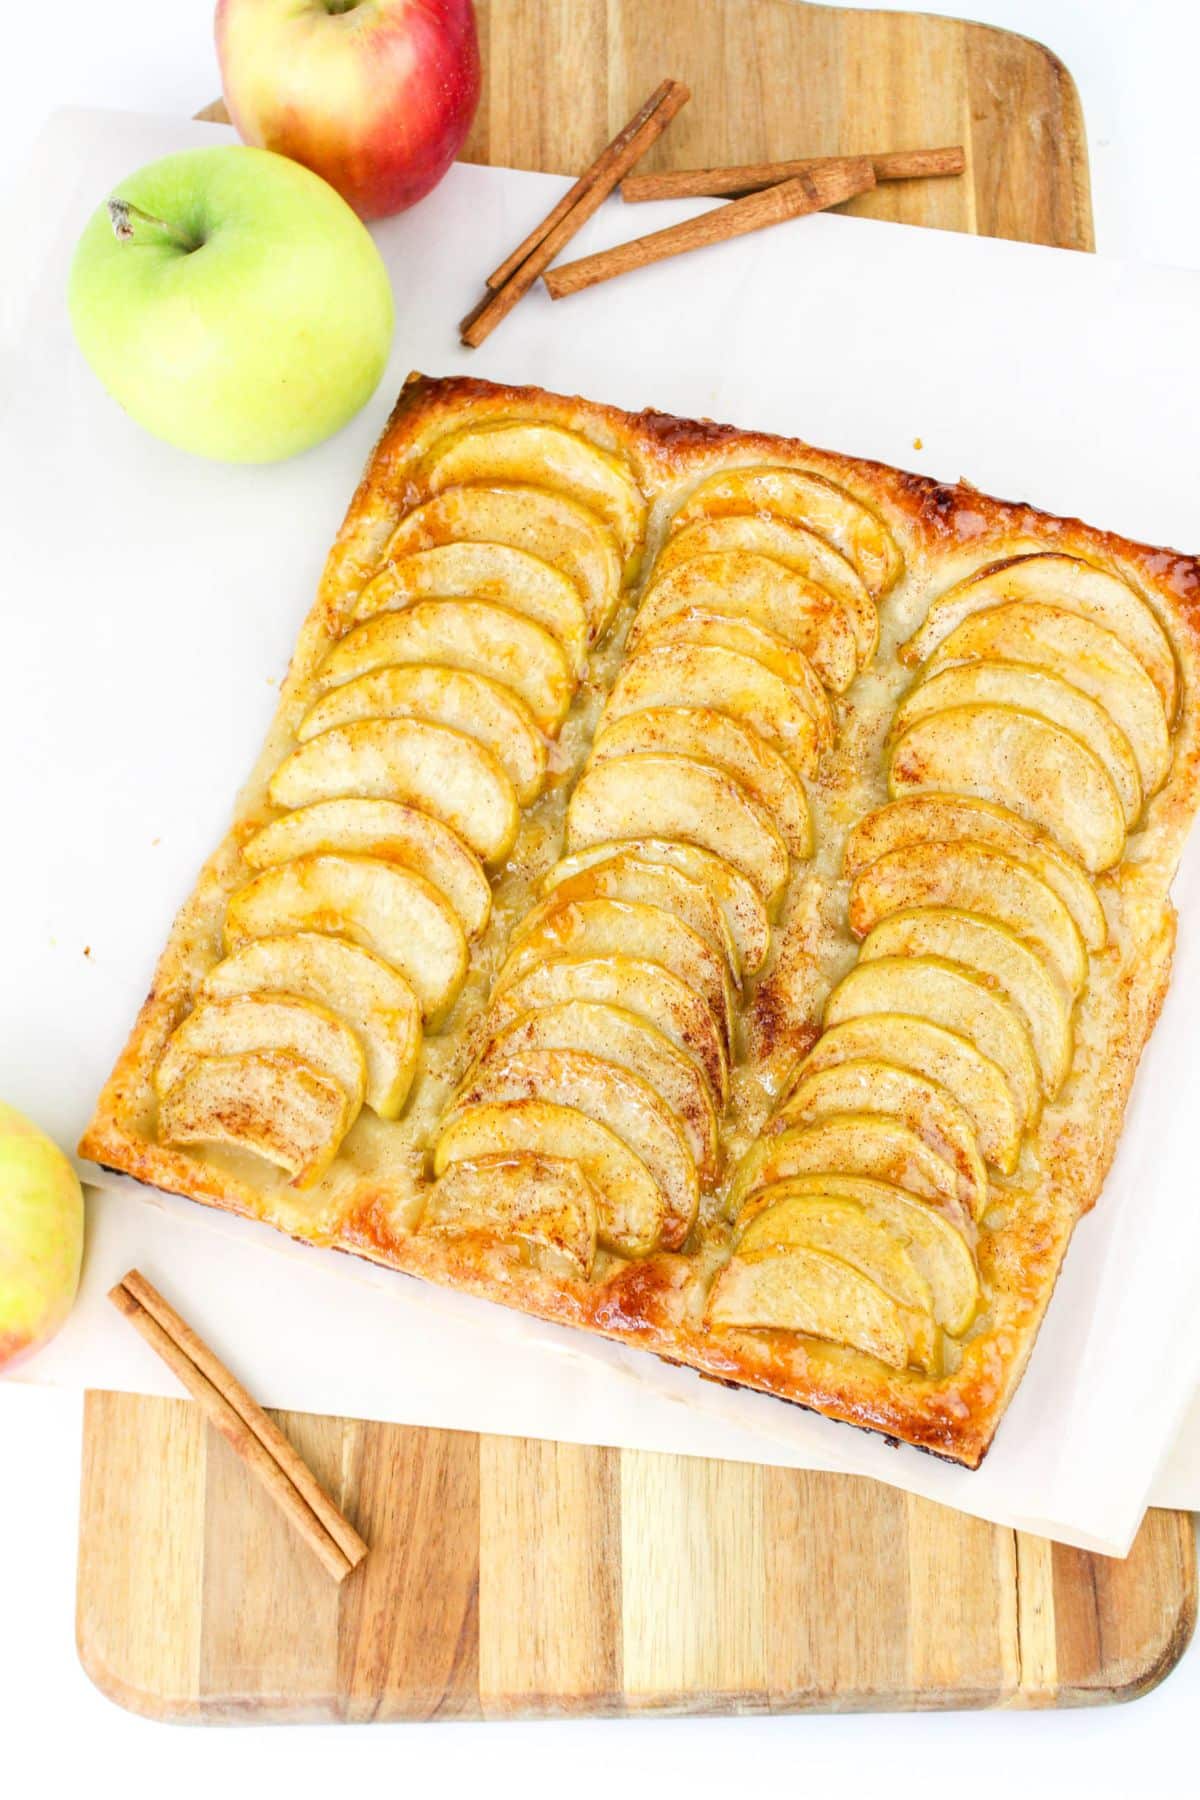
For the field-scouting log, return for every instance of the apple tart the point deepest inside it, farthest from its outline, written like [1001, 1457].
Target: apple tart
[698, 888]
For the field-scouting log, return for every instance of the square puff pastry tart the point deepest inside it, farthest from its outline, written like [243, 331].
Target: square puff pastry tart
[698, 888]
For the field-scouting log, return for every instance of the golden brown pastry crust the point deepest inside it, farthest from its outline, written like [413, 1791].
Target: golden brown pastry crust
[370, 1201]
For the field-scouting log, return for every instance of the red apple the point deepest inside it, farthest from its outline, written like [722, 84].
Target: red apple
[374, 95]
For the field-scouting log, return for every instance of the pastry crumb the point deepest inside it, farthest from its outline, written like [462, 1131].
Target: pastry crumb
[918, 443]
[87, 949]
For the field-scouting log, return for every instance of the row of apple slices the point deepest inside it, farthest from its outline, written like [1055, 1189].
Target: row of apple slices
[1028, 748]
[428, 736]
[681, 834]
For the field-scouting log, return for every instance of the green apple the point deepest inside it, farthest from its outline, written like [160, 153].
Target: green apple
[41, 1235]
[232, 303]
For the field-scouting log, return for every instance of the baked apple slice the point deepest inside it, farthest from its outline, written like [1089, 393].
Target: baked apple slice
[937, 1246]
[611, 1096]
[631, 1207]
[940, 1055]
[374, 1000]
[959, 1000]
[718, 679]
[495, 572]
[267, 1022]
[630, 1042]
[798, 1289]
[975, 879]
[798, 497]
[473, 704]
[568, 536]
[870, 1144]
[630, 877]
[544, 1203]
[389, 910]
[560, 926]
[948, 818]
[1081, 652]
[737, 897]
[997, 952]
[636, 985]
[474, 635]
[744, 585]
[445, 773]
[268, 1102]
[1048, 578]
[543, 456]
[710, 625]
[839, 1227]
[930, 1111]
[806, 554]
[386, 829]
[1020, 761]
[1037, 691]
[678, 797]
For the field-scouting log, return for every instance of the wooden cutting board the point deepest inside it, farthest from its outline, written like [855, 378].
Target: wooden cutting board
[510, 1577]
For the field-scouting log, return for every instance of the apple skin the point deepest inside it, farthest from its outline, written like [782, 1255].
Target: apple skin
[375, 95]
[41, 1236]
[260, 341]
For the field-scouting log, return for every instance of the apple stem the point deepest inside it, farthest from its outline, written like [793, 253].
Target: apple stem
[126, 217]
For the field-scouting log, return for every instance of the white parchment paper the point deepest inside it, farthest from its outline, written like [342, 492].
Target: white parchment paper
[149, 605]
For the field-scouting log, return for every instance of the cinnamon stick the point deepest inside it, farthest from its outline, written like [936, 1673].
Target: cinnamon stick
[244, 1425]
[837, 181]
[748, 178]
[597, 184]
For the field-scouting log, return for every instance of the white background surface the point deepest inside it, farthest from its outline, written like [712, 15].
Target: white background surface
[1134, 61]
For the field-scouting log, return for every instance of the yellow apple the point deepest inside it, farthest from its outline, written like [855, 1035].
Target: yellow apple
[41, 1236]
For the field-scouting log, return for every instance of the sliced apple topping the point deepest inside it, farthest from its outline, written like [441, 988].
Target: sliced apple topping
[602, 927]
[806, 554]
[1050, 579]
[268, 1102]
[385, 829]
[930, 1111]
[445, 773]
[475, 635]
[374, 1000]
[611, 1096]
[1020, 761]
[997, 952]
[473, 704]
[840, 1227]
[1039, 691]
[389, 910]
[948, 818]
[632, 1208]
[737, 897]
[628, 876]
[543, 456]
[719, 680]
[871, 1144]
[741, 584]
[958, 999]
[1081, 652]
[952, 1061]
[725, 744]
[544, 1203]
[803, 1290]
[936, 1243]
[267, 1022]
[975, 879]
[568, 536]
[495, 572]
[711, 626]
[631, 1043]
[637, 985]
[678, 797]
[796, 496]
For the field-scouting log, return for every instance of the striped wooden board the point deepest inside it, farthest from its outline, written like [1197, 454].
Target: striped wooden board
[514, 1578]
[510, 1577]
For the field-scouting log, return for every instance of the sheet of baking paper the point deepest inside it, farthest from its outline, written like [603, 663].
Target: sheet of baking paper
[149, 606]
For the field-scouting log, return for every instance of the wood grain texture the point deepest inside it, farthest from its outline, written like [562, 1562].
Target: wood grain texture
[513, 1578]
